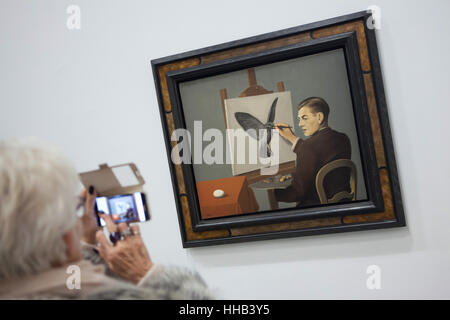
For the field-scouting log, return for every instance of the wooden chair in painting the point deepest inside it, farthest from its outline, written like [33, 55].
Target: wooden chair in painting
[253, 90]
[341, 195]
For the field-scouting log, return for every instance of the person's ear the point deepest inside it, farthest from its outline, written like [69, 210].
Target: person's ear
[320, 117]
[72, 245]
[68, 238]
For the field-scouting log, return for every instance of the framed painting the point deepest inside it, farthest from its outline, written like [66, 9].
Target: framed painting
[280, 135]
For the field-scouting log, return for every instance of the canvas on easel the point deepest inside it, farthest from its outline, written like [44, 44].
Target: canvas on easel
[255, 93]
[258, 109]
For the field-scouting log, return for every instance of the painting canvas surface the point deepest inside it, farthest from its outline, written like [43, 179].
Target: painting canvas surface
[259, 108]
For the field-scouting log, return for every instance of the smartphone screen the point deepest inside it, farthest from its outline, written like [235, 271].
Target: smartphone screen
[123, 208]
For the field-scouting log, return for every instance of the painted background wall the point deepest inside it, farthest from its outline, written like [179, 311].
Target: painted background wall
[91, 92]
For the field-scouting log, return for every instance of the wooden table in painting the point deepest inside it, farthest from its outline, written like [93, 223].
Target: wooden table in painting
[238, 199]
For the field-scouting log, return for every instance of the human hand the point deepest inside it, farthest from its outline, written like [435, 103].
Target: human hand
[285, 131]
[129, 257]
[89, 219]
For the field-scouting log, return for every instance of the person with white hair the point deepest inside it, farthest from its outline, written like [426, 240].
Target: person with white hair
[44, 245]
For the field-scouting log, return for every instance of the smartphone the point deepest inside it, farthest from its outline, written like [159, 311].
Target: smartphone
[123, 208]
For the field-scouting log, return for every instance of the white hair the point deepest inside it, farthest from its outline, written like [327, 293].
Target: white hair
[37, 206]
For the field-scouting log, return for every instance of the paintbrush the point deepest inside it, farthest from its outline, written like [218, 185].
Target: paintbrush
[281, 127]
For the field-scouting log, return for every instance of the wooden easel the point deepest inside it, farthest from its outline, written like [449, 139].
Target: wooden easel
[253, 90]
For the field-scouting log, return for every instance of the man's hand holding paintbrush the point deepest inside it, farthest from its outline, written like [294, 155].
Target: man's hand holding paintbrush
[285, 131]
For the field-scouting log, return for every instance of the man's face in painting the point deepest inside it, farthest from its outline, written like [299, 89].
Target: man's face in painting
[309, 121]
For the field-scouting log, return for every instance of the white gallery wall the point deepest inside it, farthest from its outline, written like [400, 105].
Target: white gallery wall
[91, 92]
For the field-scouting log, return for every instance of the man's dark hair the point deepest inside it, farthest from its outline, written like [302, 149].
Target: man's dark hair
[317, 105]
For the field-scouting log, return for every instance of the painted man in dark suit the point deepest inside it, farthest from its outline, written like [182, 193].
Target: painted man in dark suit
[323, 146]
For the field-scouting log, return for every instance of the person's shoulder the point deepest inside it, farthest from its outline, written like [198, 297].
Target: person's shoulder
[161, 283]
[338, 135]
[305, 145]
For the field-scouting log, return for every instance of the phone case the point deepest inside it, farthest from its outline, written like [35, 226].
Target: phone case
[106, 183]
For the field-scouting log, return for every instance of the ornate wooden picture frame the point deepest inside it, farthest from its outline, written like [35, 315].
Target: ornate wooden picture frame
[381, 207]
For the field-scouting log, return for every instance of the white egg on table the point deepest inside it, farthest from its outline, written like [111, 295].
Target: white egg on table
[219, 193]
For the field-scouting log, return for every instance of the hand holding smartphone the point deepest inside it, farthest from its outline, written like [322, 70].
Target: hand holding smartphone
[120, 193]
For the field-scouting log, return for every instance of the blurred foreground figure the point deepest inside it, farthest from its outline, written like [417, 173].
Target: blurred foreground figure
[48, 252]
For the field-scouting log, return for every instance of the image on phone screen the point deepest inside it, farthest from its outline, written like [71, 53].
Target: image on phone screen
[123, 208]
